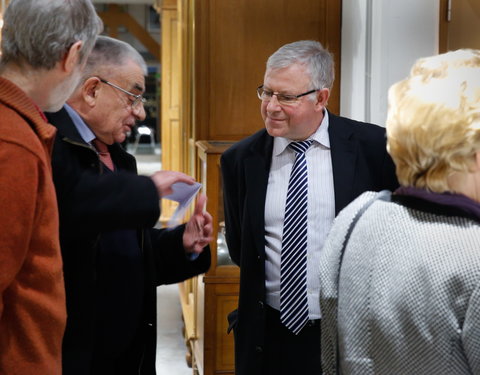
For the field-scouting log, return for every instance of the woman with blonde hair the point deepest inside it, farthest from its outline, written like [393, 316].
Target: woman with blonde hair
[400, 273]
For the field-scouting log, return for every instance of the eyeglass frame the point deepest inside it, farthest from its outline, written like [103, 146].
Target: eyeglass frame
[293, 97]
[138, 98]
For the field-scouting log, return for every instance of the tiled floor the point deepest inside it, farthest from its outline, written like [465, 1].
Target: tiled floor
[171, 348]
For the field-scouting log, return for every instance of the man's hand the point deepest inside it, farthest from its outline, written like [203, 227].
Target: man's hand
[198, 231]
[164, 180]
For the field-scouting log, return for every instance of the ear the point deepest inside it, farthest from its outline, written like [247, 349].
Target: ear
[322, 98]
[90, 90]
[72, 57]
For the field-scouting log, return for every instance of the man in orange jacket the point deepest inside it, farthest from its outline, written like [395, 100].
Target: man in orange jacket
[45, 44]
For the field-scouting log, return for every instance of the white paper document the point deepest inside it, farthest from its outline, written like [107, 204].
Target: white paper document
[183, 194]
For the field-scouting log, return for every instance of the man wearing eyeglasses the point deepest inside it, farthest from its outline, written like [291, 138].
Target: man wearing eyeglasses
[113, 257]
[283, 186]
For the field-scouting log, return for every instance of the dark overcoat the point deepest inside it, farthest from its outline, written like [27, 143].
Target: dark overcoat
[92, 203]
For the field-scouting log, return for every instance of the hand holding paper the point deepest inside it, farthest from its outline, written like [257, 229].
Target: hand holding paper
[198, 231]
[165, 181]
[183, 194]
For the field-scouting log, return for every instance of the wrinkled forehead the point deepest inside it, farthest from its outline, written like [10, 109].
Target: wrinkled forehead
[129, 76]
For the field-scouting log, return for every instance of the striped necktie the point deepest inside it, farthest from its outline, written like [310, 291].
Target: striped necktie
[293, 265]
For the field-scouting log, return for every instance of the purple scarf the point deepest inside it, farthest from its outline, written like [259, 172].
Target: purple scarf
[447, 199]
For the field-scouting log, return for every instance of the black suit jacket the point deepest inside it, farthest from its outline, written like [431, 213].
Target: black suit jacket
[90, 204]
[360, 162]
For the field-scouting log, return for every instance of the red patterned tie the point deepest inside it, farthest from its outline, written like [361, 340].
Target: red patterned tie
[103, 153]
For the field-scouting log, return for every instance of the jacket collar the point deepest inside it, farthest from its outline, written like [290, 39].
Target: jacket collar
[66, 128]
[68, 132]
[12, 96]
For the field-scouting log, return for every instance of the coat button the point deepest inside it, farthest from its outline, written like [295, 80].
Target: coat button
[260, 303]
[258, 349]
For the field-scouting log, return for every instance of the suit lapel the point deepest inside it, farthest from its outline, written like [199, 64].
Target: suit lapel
[344, 153]
[257, 167]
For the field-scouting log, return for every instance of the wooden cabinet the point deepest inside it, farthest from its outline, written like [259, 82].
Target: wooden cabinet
[207, 299]
[221, 282]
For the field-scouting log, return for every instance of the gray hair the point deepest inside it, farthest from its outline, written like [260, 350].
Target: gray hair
[109, 52]
[39, 32]
[310, 53]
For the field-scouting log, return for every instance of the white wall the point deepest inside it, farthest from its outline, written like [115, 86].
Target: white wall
[381, 39]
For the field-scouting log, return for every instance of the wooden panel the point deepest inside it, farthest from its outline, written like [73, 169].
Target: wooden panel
[209, 166]
[220, 299]
[233, 42]
[198, 345]
[226, 302]
[217, 296]
[171, 129]
[186, 49]
[332, 16]
[443, 27]
[459, 28]
[464, 27]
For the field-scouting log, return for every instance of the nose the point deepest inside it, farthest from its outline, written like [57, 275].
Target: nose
[139, 112]
[273, 104]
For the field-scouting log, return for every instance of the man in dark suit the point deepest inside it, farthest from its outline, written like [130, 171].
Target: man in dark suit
[323, 161]
[113, 256]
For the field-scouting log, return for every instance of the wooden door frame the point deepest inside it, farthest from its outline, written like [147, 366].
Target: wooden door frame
[443, 26]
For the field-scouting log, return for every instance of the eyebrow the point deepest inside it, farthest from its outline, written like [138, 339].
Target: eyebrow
[280, 92]
[138, 87]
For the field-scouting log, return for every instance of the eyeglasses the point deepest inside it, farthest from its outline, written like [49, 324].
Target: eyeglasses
[283, 99]
[135, 102]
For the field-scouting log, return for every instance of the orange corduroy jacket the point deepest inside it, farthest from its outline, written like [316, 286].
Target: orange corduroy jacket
[32, 297]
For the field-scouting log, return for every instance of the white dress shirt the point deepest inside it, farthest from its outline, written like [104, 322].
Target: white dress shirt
[321, 212]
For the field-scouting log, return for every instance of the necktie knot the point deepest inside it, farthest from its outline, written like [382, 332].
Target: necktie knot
[103, 153]
[300, 147]
[100, 146]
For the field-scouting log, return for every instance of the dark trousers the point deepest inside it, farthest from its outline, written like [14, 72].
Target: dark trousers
[126, 363]
[288, 354]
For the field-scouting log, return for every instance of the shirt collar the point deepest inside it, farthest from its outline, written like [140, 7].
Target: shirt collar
[320, 136]
[87, 135]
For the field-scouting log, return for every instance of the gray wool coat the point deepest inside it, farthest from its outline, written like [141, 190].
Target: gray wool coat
[405, 297]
